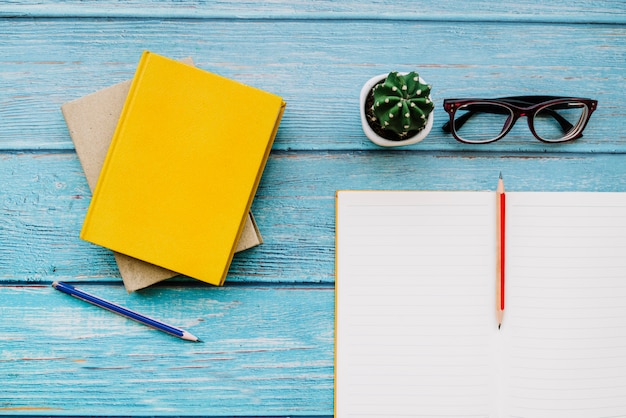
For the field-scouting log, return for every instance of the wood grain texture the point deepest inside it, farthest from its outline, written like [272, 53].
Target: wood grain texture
[475, 10]
[269, 331]
[319, 68]
[41, 213]
[266, 351]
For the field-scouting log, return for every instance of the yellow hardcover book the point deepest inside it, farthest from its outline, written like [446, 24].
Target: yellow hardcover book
[182, 169]
[91, 121]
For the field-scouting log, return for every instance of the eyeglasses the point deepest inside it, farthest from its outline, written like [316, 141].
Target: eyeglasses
[551, 119]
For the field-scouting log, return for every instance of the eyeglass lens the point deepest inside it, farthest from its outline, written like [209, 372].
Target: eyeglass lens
[484, 122]
[481, 122]
[559, 121]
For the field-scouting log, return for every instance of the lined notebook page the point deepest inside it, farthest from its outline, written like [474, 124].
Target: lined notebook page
[415, 304]
[565, 318]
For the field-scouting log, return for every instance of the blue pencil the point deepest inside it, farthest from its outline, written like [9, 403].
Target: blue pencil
[109, 306]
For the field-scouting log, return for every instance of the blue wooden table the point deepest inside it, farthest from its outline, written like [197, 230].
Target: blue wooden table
[269, 332]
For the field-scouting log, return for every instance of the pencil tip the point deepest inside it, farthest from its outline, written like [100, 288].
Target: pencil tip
[500, 174]
[499, 325]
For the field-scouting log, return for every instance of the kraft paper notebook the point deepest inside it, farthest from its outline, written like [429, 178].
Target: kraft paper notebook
[416, 331]
[182, 169]
[91, 121]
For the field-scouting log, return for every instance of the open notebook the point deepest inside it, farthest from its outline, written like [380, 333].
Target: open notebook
[416, 331]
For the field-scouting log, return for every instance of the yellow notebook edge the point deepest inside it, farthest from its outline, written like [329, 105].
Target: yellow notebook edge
[268, 149]
[120, 126]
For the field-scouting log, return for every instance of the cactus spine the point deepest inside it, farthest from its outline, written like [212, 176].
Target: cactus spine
[402, 103]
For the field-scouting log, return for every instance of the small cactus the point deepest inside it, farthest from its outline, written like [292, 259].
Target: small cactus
[402, 104]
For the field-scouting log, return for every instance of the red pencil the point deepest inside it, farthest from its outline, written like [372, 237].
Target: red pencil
[500, 231]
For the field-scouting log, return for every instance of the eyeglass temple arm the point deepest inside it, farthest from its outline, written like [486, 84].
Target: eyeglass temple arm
[487, 108]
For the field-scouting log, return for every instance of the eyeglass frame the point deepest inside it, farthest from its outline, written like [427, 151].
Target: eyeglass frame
[519, 106]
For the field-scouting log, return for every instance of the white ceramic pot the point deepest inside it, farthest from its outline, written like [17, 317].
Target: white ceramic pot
[379, 140]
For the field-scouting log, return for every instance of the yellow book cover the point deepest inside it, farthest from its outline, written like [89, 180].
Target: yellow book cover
[182, 169]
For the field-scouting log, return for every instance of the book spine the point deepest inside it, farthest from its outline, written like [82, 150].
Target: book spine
[257, 180]
[84, 233]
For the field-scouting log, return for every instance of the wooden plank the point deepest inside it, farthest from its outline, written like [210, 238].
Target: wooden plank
[269, 346]
[523, 10]
[266, 351]
[45, 197]
[318, 66]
